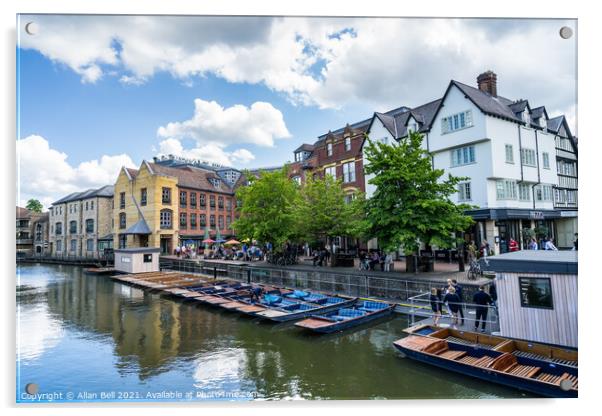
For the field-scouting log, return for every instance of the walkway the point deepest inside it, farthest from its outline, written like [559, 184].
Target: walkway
[443, 270]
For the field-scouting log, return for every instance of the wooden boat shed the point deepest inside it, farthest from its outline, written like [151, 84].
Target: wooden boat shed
[537, 295]
[137, 260]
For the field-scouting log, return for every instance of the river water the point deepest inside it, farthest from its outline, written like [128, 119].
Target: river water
[86, 338]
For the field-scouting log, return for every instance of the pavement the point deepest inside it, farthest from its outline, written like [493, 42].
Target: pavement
[443, 270]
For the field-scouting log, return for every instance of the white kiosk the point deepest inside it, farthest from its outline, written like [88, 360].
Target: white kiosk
[137, 260]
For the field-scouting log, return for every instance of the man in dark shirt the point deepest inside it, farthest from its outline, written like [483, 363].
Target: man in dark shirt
[459, 289]
[482, 300]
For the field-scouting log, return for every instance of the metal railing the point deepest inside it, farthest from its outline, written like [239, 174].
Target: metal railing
[420, 307]
[320, 280]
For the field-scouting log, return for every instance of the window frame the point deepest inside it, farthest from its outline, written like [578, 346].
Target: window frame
[524, 303]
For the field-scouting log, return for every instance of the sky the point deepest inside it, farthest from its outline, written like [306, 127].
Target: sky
[95, 93]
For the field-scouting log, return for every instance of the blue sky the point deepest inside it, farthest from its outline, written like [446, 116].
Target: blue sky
[98, 92]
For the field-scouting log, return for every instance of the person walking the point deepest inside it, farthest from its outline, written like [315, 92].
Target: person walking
[435, 299]
[453, 303]
[533, 244]
[482, 300]
[513, 244]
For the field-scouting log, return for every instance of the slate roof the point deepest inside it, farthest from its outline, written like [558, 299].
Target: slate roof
[140, 227]
[23, 213]
[305, 147]
[106, 191]
[192, 177]
[496, 106]
[555, 123]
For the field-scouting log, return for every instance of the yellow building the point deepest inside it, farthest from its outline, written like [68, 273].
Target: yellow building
[145, 209]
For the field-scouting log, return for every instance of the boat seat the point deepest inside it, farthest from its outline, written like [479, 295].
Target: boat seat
[526, 371]
[452, 355]
[484, 361]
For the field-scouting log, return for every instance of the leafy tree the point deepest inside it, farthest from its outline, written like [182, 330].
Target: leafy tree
[323, 213]
[267, 210]
[411, 203]
[34, 205]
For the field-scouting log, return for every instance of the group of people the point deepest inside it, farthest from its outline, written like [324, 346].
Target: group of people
[452, 297]
[369, 261]
[320, 257]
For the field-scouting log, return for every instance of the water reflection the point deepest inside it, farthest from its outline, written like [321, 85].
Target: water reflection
[95, 334]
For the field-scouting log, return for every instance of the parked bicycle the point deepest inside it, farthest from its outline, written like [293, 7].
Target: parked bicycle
[474, 271]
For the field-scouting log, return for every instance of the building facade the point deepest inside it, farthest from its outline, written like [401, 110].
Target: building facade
[171, 202]
[81, 223]
[507, 150]
[31, 232]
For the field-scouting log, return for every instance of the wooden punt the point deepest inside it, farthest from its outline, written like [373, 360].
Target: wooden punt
[520, 348]
[344, 318]
[536, 376]
[99, 270]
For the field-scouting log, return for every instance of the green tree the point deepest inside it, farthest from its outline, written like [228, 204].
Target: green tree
[323, 213]
[267, 208]
[34, 205]
[411, 203]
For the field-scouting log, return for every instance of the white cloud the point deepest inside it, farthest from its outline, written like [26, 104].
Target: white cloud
[259, 124]
[330, 63]
[45, 173]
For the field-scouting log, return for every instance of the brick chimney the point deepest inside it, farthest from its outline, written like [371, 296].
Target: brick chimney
[487, 82]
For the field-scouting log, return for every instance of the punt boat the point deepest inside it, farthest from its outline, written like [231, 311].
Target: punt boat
[536, 376]
[521, 348]
[290, 308]
[347, 317]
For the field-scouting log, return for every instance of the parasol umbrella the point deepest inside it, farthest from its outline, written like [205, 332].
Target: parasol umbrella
[220, 240]
[208, 241]
[232, 242]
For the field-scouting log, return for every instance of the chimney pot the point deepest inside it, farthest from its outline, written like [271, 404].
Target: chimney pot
[487, 82]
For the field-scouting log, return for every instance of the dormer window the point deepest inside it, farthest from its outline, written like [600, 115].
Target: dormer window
[347, 144]
[214, 182]
[526, 117]
[329, 149]
[542, 122]
[412, 127]
[298, 157]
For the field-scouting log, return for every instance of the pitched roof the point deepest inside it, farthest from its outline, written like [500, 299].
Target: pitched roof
[192, 177]
[140, 227]
[23, 213]
[132, 172]
[305, 147]
[106, 191]
[488, 104]
[424, 114]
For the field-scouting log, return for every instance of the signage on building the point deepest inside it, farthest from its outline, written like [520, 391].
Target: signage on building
[536, 215]
[568, 213]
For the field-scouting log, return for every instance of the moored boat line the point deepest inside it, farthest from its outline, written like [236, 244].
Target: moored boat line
[537, 376]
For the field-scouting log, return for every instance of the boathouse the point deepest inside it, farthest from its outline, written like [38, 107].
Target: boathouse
[537, 295]
[137, 260]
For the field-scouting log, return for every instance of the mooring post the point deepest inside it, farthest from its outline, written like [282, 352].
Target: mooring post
[249, 276]
[214, 272]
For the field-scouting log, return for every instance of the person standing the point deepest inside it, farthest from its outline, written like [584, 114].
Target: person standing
[472, 252]
[513, 244]
[453, 303]
[435, 299]
[533, 244]
[388, 262]
[459, 290]
[482, 300]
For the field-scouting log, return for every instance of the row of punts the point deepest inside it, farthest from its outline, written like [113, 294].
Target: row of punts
[317, 312]
[543, 369]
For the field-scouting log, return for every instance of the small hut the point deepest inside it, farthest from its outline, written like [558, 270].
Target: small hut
[537, 295]
[137, 260]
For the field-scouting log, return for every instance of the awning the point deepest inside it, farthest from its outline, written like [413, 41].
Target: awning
[140, 228]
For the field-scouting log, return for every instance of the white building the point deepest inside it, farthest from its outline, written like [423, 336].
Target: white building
[521, 166]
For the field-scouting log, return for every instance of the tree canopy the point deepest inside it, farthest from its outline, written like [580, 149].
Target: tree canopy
[411, 203]
[326, 210]
[267, 208]
[34, 205]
